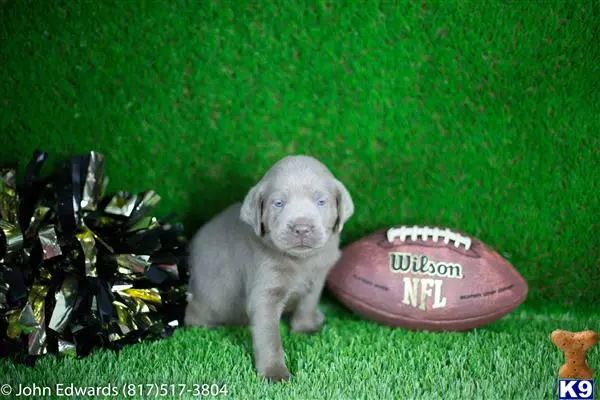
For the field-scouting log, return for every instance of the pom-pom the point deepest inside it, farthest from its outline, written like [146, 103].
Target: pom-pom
[80, 269]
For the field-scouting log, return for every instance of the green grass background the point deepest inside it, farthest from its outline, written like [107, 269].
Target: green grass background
[480, 115]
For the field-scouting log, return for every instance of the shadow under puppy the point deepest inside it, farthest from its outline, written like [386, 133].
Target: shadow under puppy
[268, 256]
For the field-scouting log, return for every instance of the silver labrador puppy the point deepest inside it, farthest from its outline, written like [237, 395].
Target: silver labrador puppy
[269, 256]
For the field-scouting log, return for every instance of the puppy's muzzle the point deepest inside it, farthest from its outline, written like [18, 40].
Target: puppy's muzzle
[302, 228]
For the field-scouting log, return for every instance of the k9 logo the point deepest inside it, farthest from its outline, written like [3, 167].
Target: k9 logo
[575, 389]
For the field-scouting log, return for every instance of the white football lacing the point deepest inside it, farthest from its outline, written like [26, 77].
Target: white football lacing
[425, 232]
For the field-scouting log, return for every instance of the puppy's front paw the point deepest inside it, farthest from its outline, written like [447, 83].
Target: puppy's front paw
[308, 323]
[276, 373]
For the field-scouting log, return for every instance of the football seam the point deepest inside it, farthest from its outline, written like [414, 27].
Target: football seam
[414, 232]
[503, 311]
[431, 245]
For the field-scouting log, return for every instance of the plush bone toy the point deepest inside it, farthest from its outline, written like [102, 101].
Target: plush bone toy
[574, 345]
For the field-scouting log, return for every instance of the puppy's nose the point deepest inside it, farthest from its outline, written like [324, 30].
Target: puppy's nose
[302, 230]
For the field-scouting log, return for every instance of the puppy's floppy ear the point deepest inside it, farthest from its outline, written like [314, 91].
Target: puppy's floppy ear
[345, 205]
[252, 208]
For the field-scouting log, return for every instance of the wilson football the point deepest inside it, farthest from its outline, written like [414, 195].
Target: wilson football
[426, 278]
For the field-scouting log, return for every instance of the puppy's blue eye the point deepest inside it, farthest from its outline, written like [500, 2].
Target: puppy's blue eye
[278, 203]
[321, 203]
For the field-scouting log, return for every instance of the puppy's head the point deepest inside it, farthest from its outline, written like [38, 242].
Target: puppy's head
[297, 206]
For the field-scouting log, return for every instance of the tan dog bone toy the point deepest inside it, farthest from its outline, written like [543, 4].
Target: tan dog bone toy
[574, 345]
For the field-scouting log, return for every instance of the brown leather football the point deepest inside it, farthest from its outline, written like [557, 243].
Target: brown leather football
[426, 278]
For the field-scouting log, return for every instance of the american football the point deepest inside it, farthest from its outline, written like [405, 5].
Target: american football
[426, 278]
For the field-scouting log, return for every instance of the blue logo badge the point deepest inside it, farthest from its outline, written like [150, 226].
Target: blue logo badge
[575, 389]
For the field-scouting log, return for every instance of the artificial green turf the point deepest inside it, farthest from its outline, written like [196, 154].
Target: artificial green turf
[479, 115]
[482, 116]
[348, 359]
